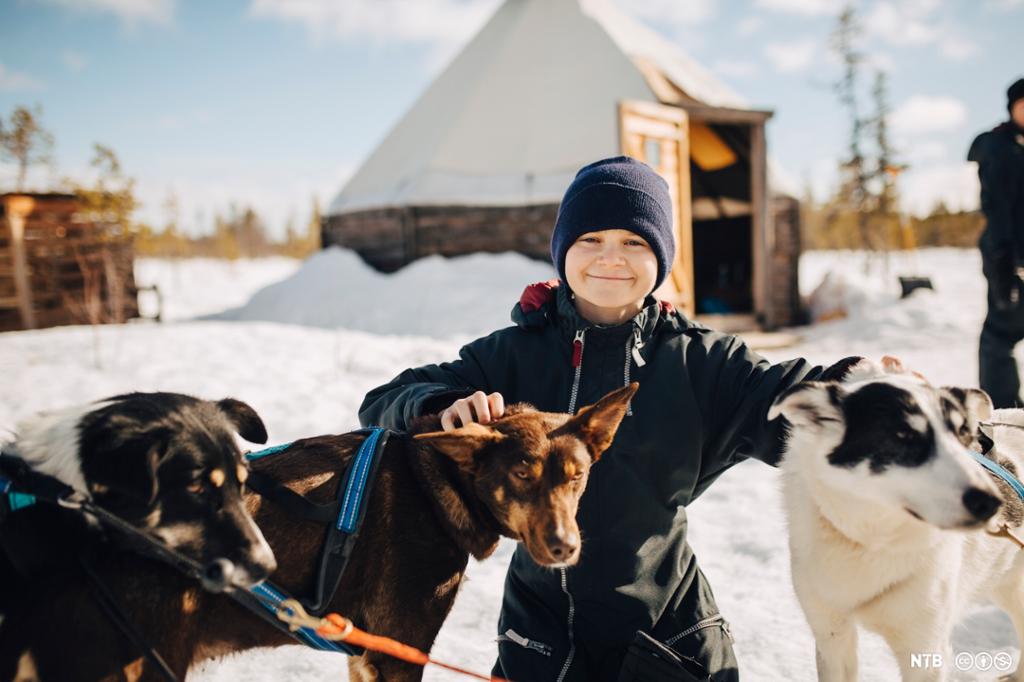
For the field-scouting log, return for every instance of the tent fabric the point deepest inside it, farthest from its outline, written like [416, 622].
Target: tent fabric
[530, 99]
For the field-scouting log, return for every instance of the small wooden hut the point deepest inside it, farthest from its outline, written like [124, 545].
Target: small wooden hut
[481, 160]
[58, 266]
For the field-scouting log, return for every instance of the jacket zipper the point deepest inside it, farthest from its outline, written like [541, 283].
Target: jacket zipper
[572, 615]
[525, 642]
[577, 361]
[578, 342]
[717, 619]
[633, 347]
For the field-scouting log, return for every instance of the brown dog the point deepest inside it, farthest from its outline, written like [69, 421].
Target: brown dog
[438, 498]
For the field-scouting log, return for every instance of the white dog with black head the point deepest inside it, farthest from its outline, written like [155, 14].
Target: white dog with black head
[890, 517]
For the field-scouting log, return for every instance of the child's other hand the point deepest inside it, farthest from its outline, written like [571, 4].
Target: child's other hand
[479, 407]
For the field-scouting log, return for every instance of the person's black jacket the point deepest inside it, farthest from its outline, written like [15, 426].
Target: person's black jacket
[999, 154]
[700, 409]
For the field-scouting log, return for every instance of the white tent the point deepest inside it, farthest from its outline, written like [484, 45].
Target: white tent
[527, 102]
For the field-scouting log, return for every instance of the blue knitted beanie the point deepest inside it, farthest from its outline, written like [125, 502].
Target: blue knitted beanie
[617, 193]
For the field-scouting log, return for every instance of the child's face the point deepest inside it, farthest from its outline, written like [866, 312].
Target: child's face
[611, 269]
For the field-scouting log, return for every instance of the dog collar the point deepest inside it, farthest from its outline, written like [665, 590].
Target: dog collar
[1000, 471]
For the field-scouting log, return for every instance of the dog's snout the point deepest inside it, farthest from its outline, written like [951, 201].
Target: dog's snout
[563, 543]
[265, 563]
[980, 503]
[217, 575]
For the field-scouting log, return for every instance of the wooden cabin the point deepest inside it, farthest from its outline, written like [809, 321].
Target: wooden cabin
[481, 160]
[58, 266]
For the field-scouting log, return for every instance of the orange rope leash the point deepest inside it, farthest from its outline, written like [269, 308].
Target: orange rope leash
[338, 628]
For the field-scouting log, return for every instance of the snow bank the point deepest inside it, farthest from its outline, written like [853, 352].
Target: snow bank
[435, 296]
[201, 286]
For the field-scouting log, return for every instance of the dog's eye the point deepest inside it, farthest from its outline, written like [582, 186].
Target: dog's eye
[196, 487]
[521, 474]
[904, 435]
[577, 476]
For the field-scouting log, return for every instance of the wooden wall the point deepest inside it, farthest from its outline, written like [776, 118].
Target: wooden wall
[58, 268]
[389, 238]
[783, 307]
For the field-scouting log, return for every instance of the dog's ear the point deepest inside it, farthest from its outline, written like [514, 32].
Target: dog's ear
[977, 403]
[462, 443]
[597, 424]
[809, 403]
[246, 421]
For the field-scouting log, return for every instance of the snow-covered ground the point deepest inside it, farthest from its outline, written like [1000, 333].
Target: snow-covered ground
[303, 343]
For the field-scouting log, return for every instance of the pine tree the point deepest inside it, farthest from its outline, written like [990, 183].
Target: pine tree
[25, 141]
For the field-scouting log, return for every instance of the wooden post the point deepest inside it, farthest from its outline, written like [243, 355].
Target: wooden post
[760, 223]
[18, 208]
[641, 122]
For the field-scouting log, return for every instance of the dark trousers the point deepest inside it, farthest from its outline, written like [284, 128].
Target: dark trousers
[1003, 329]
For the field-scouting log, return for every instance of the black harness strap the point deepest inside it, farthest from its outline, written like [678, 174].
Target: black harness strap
[106, 601]
[340, 538]
[339, 543]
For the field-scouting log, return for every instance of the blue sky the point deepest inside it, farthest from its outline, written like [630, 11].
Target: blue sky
[272, 102]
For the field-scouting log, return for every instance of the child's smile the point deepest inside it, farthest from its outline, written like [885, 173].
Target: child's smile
[610, 272]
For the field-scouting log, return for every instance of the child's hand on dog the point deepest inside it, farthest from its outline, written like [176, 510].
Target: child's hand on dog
[479, 407]
[894, 365]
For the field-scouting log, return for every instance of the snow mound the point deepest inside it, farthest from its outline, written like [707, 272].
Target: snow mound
[435, 296]
[856, 299]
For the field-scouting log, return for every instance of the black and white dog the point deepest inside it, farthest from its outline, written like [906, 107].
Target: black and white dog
[887, 514]
[167, 463]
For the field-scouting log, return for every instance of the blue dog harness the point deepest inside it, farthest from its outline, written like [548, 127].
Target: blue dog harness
[986, 438]
[343, 519]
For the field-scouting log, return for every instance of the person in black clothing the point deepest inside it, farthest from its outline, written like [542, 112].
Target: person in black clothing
[1000, 157]
[636, 598]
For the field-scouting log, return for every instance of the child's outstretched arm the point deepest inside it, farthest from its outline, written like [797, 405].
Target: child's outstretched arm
[738, 386]
[428, 389]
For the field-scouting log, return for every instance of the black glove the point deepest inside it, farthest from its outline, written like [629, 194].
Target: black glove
[1006, 283]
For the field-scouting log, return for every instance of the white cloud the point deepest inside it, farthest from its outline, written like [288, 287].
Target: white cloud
[954, 184]
[735, 68]
[924, 150]
[748, 26]
[1005, 5]
[805, 7]
[880, 61]
[130, 12]
[957, 48]
[912, 23]
[792, 56]
[928, 114]
[416, 21]
[900, 25]
[14, 80]
[75, 61]
[670, 14]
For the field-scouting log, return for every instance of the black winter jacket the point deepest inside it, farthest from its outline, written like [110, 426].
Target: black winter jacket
[1000, 157]
[701, 408]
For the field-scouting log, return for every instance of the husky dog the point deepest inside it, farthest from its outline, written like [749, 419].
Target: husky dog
[888, 513]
